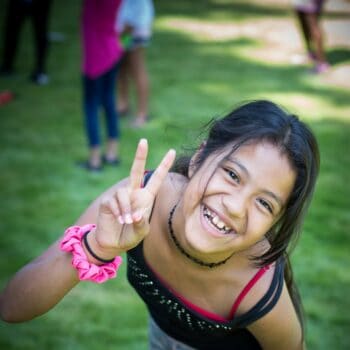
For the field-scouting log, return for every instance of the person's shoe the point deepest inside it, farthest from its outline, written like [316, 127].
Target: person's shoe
[312, 57]
[39, 78]
[108, 161]
[321, 67]
[88, 166]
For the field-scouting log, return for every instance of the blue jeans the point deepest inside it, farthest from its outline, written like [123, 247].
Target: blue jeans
[100, 92]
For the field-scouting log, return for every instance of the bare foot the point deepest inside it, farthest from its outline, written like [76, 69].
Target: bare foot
[139, 122]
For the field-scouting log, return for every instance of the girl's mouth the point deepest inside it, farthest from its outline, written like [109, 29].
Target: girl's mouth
[214, 220]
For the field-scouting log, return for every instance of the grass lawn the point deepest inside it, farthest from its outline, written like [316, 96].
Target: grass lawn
[205, 57]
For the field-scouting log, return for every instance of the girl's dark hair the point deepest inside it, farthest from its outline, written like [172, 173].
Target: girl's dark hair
[264, 121]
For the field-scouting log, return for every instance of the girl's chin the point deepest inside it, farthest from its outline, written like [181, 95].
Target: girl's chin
[204, 247]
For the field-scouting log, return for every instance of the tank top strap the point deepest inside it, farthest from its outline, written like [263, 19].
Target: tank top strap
[246, 289]
[269, 300]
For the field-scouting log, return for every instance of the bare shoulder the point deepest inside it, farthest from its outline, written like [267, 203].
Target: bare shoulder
[279, 328]
[175, 181]
[172, 186]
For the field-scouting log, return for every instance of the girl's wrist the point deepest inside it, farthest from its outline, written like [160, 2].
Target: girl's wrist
[98, 271]
[95, 252]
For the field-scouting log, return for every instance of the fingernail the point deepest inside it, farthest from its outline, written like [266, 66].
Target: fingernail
[143, 140]
[172, 152]
[137, 216]
[121, 220]
[128, 218]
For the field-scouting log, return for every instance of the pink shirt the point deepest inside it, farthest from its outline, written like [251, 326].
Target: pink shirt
[100, 43]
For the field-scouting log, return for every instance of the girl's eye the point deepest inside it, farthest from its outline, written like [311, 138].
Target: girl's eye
[266, 205]
[232, 175]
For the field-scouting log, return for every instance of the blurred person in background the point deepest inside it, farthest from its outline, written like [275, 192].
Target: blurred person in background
[308, 13]
[101, 56]
[134, 23]
[17, 12]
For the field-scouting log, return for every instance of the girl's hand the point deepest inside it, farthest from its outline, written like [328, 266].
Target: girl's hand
[123, 218]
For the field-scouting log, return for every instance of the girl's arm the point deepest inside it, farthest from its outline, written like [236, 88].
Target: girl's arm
[121, 216]
[38, 286]
[42, 283]
[280, 328]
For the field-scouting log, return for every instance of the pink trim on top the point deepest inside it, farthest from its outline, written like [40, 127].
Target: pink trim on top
[209, 314]
[247, 288]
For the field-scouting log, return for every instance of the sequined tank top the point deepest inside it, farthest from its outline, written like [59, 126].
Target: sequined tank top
[179, 321]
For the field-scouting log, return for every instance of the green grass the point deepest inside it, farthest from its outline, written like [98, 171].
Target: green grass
[42, 192]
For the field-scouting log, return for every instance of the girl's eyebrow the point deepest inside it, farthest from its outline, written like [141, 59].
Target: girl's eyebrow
[267, 192]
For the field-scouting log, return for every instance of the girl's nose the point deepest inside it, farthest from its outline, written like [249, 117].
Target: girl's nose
[236, 206]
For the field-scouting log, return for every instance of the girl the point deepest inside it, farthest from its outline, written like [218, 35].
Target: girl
[206, 243]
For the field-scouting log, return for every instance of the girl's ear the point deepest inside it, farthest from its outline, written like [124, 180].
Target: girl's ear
[194, 158]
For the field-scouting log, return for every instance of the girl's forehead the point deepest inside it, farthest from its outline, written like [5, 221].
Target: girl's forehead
[253, 153]
[232, 149]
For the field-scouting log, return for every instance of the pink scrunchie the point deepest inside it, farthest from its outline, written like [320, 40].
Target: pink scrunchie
[71, 243]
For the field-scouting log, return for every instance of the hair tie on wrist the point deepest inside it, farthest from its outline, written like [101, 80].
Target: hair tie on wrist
[72, 243]
[88, 248]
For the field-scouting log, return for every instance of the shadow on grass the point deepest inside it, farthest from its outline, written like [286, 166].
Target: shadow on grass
[199, 70]
[208, 8]
[338, 55]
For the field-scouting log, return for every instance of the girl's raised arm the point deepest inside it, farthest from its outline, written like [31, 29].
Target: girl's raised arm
[121, 215]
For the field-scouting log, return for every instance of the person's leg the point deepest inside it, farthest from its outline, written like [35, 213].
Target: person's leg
[123, 86]
[305, 31]
[321, 64]
[91, 102]
[40, 19]
[16, 13]
[112, 122]
[141, 80]
[317, 37]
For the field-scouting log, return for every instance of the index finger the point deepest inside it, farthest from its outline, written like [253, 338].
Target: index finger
[138, 165]
[161, 172]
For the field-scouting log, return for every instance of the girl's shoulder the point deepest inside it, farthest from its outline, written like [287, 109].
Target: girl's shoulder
[171, 187]
[280, 327]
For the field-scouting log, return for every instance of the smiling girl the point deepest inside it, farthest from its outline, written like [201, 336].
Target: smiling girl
[206, 243]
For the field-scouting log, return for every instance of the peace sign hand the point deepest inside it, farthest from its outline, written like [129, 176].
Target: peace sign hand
[123, 218]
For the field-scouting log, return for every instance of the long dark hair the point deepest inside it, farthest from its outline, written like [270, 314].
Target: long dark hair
[264, 121]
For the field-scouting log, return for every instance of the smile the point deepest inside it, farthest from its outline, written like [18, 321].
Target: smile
[213, 219]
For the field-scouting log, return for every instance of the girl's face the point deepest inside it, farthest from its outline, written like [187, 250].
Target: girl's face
[230, 206]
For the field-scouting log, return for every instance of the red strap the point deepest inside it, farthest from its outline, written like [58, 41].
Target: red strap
[246, 290]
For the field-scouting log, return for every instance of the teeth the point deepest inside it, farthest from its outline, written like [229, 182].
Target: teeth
[220, 224]
[215, 221]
